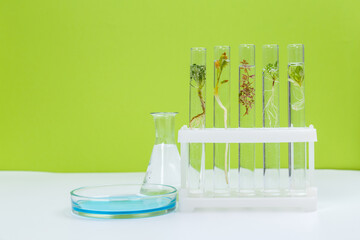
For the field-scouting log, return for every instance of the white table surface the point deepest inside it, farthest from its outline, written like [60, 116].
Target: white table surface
[36, 205]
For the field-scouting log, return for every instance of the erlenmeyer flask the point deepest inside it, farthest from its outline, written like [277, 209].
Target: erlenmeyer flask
[164, 165]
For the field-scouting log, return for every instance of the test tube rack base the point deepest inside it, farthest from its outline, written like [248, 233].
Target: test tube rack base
[286, 200]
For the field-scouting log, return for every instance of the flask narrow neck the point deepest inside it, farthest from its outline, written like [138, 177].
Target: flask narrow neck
[164, 128]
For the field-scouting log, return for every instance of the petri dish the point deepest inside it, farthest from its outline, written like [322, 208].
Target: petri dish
[124, 200]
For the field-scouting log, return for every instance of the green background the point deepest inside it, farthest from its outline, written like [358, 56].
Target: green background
[78, 79]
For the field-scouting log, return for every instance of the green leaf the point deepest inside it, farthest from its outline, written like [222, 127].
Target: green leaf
[296, 74]
[198, 75]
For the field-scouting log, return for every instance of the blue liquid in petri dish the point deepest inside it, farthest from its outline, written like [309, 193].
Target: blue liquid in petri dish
[129, 205]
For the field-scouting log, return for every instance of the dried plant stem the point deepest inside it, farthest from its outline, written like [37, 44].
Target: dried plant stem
[202, 114]
[247, 90]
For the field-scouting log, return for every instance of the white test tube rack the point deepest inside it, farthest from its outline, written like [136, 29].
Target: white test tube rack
[189, 202]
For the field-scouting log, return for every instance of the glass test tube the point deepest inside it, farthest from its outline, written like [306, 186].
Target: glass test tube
[297, 151]
[247, 73]
[221, 117]
[271, 117]
[197, 111]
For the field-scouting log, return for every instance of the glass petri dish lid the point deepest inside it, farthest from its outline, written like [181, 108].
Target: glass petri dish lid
[124, 200]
